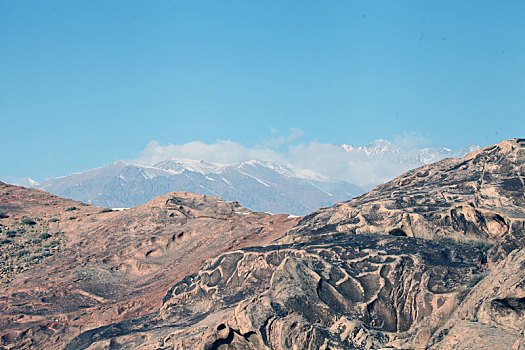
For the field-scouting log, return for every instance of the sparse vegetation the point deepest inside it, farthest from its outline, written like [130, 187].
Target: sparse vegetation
[71, 208]
[21, 253]
[3, 215]
[106, 210]
[462, 294]
[24, 243]
[44, 236]
[481, 245]
[27, 221]
[447, 240]
[53, 243]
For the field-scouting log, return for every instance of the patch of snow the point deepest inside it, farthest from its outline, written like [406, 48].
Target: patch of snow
[309, 175]
[148, 175]
[32, 182]
[320, 189]
[198, 166]
[251, 162]
[256, 179]
[285, 170]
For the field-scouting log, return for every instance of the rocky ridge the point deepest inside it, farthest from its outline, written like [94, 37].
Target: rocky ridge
[114, 265]
[478, 199]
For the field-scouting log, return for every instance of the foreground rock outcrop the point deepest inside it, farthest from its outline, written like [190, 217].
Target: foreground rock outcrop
[343, 292]
[492, 315]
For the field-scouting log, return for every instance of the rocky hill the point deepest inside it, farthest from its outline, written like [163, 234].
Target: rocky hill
[431, 260]
[478, 199]
[100, 266]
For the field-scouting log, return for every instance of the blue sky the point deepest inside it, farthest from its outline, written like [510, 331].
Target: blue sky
[84, 83]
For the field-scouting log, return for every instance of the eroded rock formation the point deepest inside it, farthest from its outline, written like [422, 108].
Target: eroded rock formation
[365, 291]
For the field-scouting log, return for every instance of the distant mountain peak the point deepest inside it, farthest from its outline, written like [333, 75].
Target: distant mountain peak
[26, 182]
[120, 162]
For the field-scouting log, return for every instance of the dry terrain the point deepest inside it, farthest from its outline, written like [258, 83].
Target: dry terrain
[85, 266]
[431, 260]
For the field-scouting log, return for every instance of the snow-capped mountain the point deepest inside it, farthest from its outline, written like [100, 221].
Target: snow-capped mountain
[326, 176]
[381, 161]
[258, 185]
[25, 182]
[386, 150]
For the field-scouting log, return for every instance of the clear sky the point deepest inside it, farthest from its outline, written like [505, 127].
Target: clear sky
[84, 83]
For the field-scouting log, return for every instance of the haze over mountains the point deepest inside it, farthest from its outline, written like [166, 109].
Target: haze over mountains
[295, 184]
[261, 186]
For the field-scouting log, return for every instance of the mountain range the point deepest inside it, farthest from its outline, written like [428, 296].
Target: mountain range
[259, 185]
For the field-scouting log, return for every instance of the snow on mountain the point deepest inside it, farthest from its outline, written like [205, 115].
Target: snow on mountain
[296, 188]
[383, 149]
[259, 185]
[26, 182]
[386, 150]
[381, 161]
[375, 149]
[177, 166]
